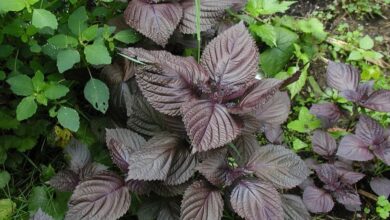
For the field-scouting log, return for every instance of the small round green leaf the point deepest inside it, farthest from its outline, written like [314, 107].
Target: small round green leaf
[97, 54]
[21, 85]
[366, 43]
[7, 208]
[66, 59]
[26, 108]
[4, 178]
[42, 18]
[68, 118]
[97, 93]
[56, 91]
[127, 36]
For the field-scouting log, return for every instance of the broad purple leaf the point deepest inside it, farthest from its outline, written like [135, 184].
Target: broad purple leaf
[41, 215]
[383, 152]
[327, 173]
[273, 133]
[317, 200]
[105, 196]
[246, 145]
[209, 125]
[250, 123]
[352, 147]
[201, 202]
[211, 11]
[231, 59]
[347, 196]
[378, 101]
[275, 111]
[215, 169]
[306, 183]
[294, 208]
[349, 177]
[153, 161]
[323, 143]
[64, 180]
[159, 209]
[278, 166]
[254, 200]
[118, 72]
[169, 191]
[79, 155]
[139, 187]
[369, 130]
[155, 21]
[170, 81]
[381, 186]
[352, 95]
[121, 143]
[182, 168]
[328, 113]
[342, 76]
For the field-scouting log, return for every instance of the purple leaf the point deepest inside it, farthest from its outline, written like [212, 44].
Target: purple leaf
[231, 59]
[246, 145]
[323, 143]
[211, 11]
[105, 196]
[118, 72]
[153, 161]
[257, 96]
[64, 181]
[349, 177]
[327, 173]
[121, 143]
[254, 200]
[342, 76]
[139, 186]
[317, 200]
[250, 124]
[369, 130]
[155, 21]
[378, 101]
[209, 125]
[159, 209]
[274, 134]
[182, 168]
[347, 196]
[352, 147]
[201, 202]
[215, 169]
[381, 186]
[91, 169]
[328, 113]
[383, 152]
[294, 208]
[41, 215]
[308, 182]
[352, 95]
[278, 165]
[79, 155]
[275, 111]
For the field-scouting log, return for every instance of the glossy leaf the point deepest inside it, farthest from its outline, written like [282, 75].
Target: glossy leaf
[65, 180]
[317, 200]
[369, 130]
[104, 196]
[253, 200]
[329, 113]
[352, 147]
[182, 168]
[208, 125]
[200, 201]
[97, 93]
[79, 155]
[378, 101]
[342, 76]
[157, 21]
[381, 186]
[278, 165]
[215, 168]
[323, 143]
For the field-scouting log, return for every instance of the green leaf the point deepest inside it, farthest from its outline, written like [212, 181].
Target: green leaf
[274, 59]
[6, 50]
[77, 21]
[267, 7]
[266, 32]
[297, 86]
[26, 108]
[313, 26]
[97, 54]
[66, 59]
[62, 41]
[90, 33]
[371, 72]
[39, 198]
[4, 179]
[2, 75]
[56, 91]
[21, 85]
[298, 144]
[7, 208]
[372, 55]
[42, 18]
[14, 5]
[7, 122]
[306, 122]
[355, 55]
[127, 36]
[366, 43]
[41, 99]
[68, 118]
[97, 93]
[38, 81]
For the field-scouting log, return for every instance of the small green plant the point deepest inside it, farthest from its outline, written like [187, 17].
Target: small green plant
[383, 207]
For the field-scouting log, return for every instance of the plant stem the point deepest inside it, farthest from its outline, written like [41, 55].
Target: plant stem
[197, 13]
[367, 194]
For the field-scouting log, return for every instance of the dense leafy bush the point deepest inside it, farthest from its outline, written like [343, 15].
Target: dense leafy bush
[214, 109]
